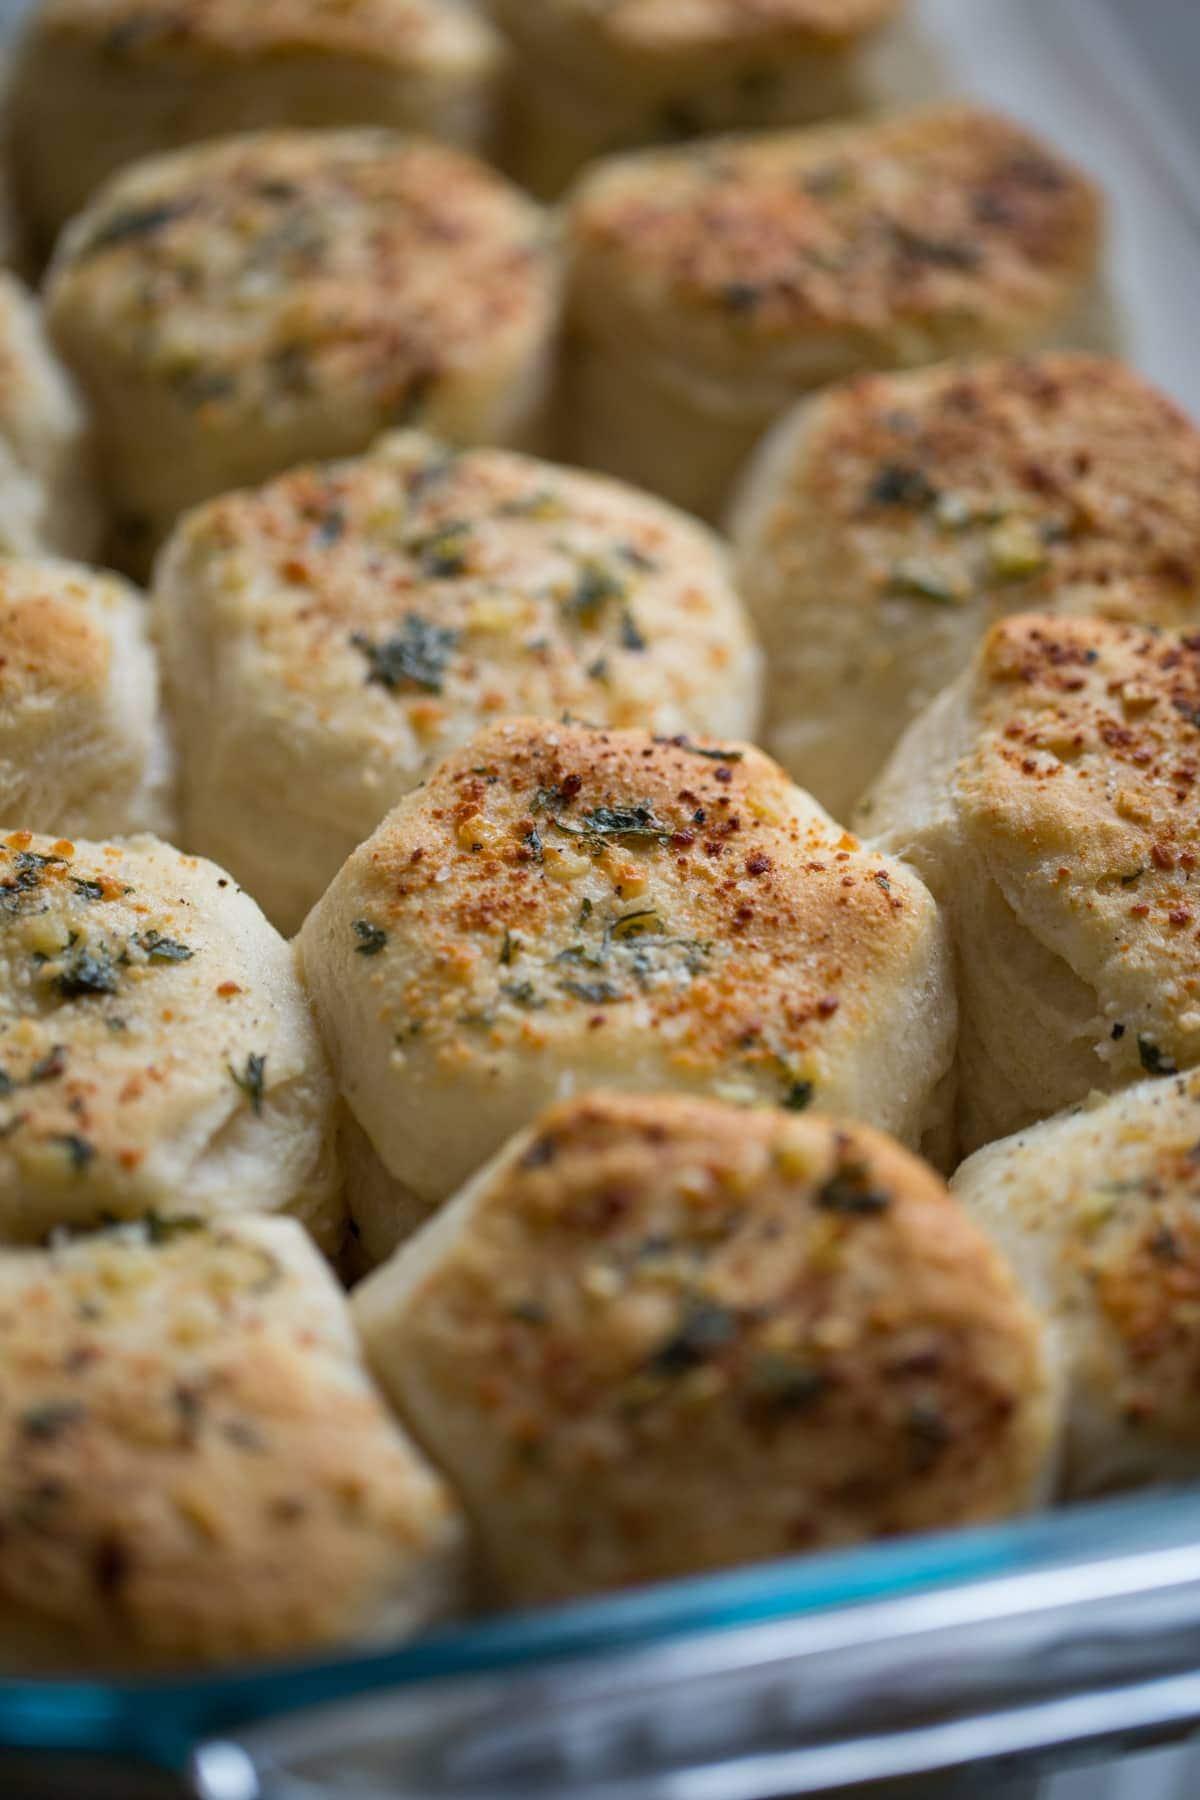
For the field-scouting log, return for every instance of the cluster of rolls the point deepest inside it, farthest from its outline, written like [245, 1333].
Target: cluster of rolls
[394, 899]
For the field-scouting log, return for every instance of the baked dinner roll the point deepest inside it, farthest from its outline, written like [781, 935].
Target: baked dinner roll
[1048, 798]
[587, 79]
[886, 525]
[1099, 1211]
[99, 83]
[156, 1051]
[561, 906]
[239, 307]
[46, 497]
[328, 638]
[196, 1467]
[661, 1335]
[713, 284]
[82, 748]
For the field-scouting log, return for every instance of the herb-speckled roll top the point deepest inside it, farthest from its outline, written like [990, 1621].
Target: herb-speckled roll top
[711, 285]
[886, 525]
[1049, 798]
[561, 905]
[236, 308]
[662, 1335]
[156, 1051]
[98, 84]
[194, 1465]
[329, 637]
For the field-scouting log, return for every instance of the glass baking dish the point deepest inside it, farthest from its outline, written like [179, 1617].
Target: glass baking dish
[952, 1660]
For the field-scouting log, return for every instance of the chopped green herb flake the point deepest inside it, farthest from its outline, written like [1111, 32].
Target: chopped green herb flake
[849, 1191]
[87, 973]
[372, 939]
[418, 654]
[87, 890]
[799, 1096]
[593, 993]
[250, 1080]
[780, 1385]
[162, 949]
[443, 553]
[596, 585]
[43, 1424]
[79, 1151]
[132, 223]
[600, 822]
[1154, 1060]
[163, 1230]
[710, 753]
[704, 1329]
[631, 637]
[901, 484]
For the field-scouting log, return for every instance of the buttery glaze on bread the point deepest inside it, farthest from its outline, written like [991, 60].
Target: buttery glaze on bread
[82, 747]
[561, 906]
[47, 502]
[712, 285]
[589, 80]
[98, 84]
[156, 1050]
[1099, 1212]
[195, 1467]
[886, 525]
[662, 1335]
[1049, 799]
[241, 306]
[329, 637]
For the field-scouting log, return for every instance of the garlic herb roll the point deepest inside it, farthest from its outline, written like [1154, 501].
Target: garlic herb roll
[886, 525]
[561, 907]
[329, 637]
[658, 1336]
[196, 1467]
[1099, 1212]
[713, 284]
[82, 745]
[588, 80]
[1049, 799]
[156, 1051]
[47, 499]
[98, 84]
[239, 307]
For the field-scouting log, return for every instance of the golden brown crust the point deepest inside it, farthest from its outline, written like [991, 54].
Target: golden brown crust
[155, 1049]
[945, 226]
[195, 1468]
[337, 631]
[667, 1335]
[1063, 478]
[248, 273]
[730, 916]
[1080, 792]
[422, 583]
[408, 33]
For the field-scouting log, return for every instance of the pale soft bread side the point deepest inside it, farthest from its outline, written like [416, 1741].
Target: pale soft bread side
[157, 1051]
[561, 907]
[1098, 1211]
[47, 502]
[588, 81]
[196, 1467]
[716, 283]
[99, 84]
[659, 1336]
[883, 527]
[82, 745]
[330, 637]
[241, 306]
[1048, 800]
